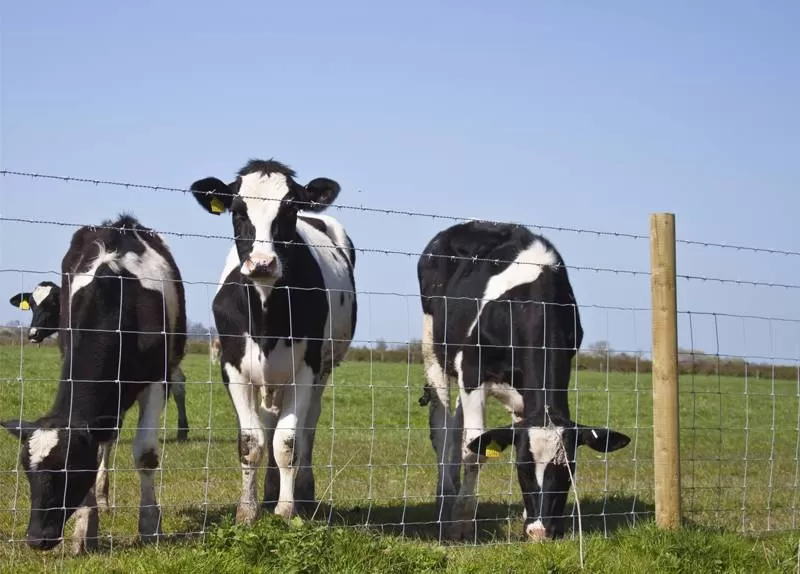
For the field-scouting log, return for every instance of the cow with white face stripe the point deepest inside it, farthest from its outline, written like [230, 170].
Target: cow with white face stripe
[44, 304]
[285, 314]
[500, 316]
[122, 337]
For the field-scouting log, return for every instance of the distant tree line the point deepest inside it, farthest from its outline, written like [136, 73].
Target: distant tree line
[598, 356]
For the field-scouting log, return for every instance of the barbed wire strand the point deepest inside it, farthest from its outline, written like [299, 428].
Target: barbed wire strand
[389, 211]
[384, 211]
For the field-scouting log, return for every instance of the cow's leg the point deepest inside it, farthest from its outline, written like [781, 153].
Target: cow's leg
[287, 443]
[305, 495]
[145, 455]
[243, 394]
[101, 481]
[270, 408]
[473, 402]
[178, 388]
[84, 536]
[441, 426]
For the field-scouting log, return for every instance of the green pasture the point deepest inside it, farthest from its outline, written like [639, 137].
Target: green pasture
[375, 472]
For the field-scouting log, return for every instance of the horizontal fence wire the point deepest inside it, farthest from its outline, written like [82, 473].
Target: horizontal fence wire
[374, 462]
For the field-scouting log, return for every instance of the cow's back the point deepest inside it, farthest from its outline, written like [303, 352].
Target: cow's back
[124, 310]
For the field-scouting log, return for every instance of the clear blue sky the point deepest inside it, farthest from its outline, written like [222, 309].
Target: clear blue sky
[579, 114]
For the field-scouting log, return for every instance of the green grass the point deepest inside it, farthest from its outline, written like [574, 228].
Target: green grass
[374, 467]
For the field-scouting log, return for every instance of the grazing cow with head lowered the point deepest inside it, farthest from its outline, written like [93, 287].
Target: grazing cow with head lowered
[499, 315]
[122, 336]
[44, 303]
[285, 315]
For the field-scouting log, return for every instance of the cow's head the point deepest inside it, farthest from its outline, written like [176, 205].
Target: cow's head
[264, 200]
[61, 466]
[545, 457]
[44, 303]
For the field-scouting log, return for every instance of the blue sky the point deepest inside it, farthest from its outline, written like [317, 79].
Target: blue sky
[564, 114]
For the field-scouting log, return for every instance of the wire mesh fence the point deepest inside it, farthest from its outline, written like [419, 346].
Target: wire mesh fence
[374, 459]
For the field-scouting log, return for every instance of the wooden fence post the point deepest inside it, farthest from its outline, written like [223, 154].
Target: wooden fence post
[666, 429]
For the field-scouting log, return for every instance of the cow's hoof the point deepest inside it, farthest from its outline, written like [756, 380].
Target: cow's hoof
[535, 532]
[285, 510]
[461, 530]
[246, 513]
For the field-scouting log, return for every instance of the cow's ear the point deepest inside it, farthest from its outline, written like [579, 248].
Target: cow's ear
[19, 428]
[213, 195]
[318, 194]
[602, 439]
[21, 301]
[492, 442]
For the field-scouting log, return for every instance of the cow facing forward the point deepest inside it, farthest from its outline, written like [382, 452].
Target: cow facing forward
[285, 315]
[122, 334]
[499, 316]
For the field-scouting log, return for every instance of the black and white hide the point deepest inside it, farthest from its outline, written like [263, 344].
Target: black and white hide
[44, 302]
[285, 315]
[500, 317]
[122, 336]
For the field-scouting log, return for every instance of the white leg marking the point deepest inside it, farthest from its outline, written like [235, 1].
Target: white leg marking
[101, 482]
[145, 457]
[440, 422]
[473, 404]
[84, 536]
[244, 395]
[287, 443]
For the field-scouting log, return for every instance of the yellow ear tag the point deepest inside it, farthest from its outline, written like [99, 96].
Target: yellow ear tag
[24, 305]
[216, 206]
[493, 450]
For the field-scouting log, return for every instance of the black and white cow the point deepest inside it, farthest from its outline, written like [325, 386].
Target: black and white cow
[500, 317]
[44, 301]
[123, 334]
[285, 315]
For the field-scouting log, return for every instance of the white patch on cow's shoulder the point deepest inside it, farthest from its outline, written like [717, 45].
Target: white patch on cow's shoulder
[526, 268]
[334, 230]
[155, 274]
[41, 443]
[546, 447]
[335, 270]
[82, 279]
[40, 293]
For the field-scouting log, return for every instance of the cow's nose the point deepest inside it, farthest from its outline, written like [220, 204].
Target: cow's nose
[38, 542]
[32, 333]
[263, 265]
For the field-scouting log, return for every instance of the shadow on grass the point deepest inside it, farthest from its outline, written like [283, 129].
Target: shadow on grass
[496, 521]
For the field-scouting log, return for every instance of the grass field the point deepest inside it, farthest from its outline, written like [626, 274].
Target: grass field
[374, 468]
